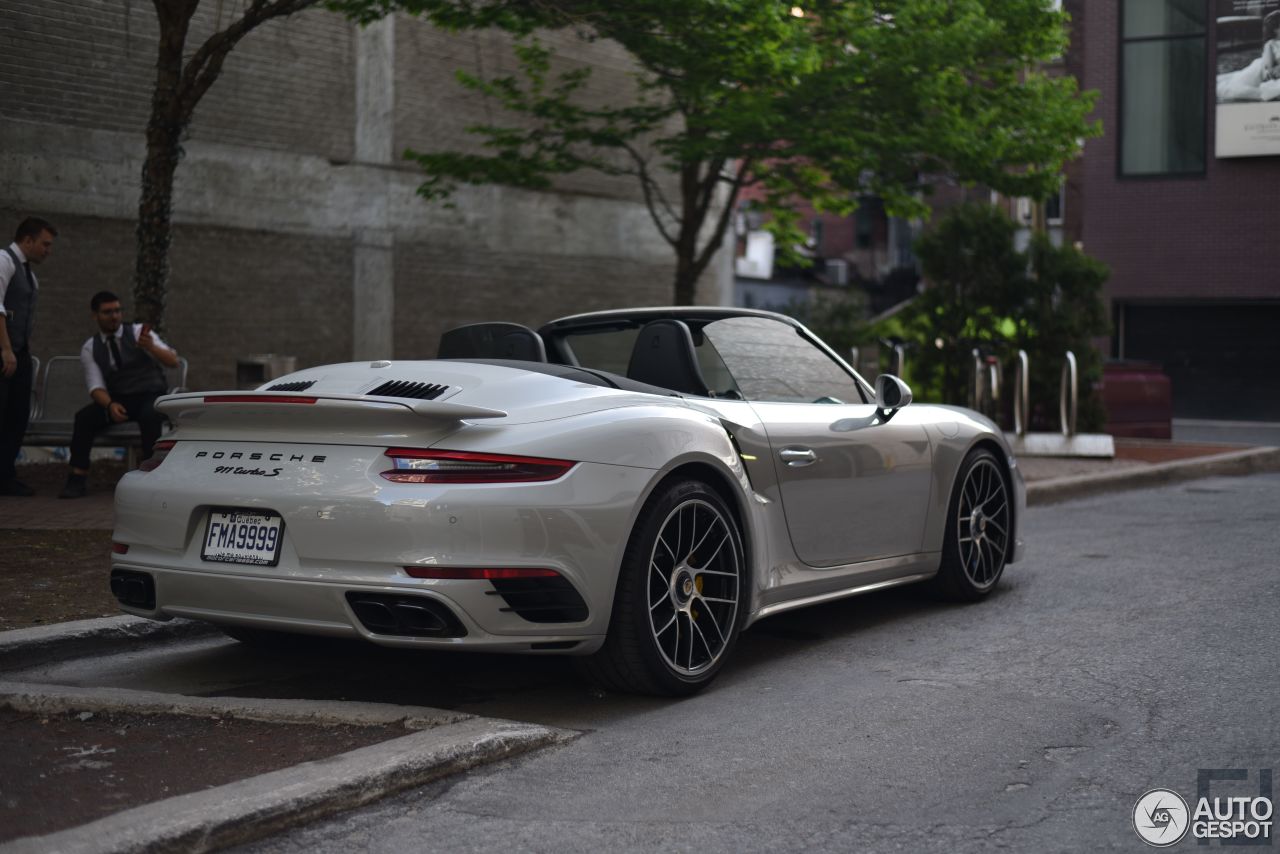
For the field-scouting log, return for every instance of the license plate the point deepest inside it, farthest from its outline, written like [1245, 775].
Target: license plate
[242, 536]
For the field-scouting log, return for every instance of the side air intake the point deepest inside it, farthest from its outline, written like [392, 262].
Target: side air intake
[300, 385]
[414, 391]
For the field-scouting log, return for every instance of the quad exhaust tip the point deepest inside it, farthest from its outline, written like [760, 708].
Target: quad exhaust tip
[405, 616]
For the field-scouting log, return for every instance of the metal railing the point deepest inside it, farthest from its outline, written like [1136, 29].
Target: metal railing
[985, 390]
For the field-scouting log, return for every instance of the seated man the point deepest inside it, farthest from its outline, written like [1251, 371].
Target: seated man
[122, 370]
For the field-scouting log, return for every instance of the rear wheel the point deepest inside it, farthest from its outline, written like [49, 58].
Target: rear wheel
[680, 597]
[979, 521]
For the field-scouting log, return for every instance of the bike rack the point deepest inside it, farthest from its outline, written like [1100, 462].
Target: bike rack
[1021, 394]
[1068, 395]
[1067, 442]
[984, 393]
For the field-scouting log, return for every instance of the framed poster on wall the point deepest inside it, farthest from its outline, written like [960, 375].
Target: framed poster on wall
[1248, 82]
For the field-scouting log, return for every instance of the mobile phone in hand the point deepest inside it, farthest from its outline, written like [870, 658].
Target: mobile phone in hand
[146, 329]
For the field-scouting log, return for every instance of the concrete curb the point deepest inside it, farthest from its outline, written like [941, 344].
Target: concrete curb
[39, 698]
[259, 806]
[30, 647]
[1233, 463]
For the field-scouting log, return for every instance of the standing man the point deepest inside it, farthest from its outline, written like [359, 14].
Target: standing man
[122, 371]
[32, 243]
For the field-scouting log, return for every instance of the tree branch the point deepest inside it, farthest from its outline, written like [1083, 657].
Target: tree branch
[717, 236]
[206, 64]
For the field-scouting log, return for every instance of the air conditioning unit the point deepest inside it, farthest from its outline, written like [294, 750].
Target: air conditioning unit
[837, 271]
[757, 261]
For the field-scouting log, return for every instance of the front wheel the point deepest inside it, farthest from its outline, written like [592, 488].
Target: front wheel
[680, 597]
[978, 528]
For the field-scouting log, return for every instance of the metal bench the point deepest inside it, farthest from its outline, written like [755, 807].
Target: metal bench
[60, 393]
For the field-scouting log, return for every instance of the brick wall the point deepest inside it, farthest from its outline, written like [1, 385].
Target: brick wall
[438, 289]
[232, 292]
[91, 64]
[270, 206]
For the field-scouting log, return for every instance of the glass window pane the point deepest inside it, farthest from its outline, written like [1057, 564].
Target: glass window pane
[1163, 124]
[1144, 18]
[604, 351]
[769, 361]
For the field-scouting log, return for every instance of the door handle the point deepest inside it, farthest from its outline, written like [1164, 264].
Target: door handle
[796, 457]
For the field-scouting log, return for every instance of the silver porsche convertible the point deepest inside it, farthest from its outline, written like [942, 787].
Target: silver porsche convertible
[631, 487]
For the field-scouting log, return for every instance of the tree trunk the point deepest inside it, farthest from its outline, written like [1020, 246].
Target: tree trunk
[164, 137]
[686, 280]
[155, 228]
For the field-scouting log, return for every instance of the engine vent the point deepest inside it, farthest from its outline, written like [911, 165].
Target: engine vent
[404, 388]
[300, 385]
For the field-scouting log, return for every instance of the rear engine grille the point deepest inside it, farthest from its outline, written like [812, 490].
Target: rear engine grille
[404, 388]
[541, 600]
[300, 385]
[134, 588]
[406, 616]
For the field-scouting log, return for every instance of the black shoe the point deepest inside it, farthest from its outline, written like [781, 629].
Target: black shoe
[77, 486]
[17, 488]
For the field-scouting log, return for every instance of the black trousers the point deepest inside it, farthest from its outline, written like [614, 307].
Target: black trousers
[15, 412]
[93, 418]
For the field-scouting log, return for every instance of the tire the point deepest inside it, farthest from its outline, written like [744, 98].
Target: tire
[679, 604]
[976, 540]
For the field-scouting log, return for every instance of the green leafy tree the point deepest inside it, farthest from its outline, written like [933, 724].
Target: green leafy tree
[984, 294]
[828, 101]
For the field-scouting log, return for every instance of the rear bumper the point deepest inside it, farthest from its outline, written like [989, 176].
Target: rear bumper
[324, 608]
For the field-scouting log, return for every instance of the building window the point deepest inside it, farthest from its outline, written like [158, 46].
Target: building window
[1163, 50]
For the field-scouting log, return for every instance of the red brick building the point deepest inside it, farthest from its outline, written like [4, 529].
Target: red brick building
[1181, 194]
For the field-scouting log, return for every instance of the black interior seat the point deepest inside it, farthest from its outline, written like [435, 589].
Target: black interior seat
[492, 341]
[664, 355]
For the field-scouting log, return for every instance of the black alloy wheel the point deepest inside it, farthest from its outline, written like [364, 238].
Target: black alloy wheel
[680, 599]
[978, 538]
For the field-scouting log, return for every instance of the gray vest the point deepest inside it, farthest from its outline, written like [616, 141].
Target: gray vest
[138, 372]
[19, 305]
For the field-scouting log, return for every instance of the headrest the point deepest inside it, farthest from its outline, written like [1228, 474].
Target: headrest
[664, 355]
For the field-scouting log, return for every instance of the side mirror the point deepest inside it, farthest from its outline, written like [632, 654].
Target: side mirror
[891, 392]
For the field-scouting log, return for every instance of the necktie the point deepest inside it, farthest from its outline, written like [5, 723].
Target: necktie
[115, 350]
[26, 266]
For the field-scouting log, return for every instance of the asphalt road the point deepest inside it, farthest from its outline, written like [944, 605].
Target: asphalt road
[1135, 645]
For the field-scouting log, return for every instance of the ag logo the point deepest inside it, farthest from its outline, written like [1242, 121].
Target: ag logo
[1161, 818]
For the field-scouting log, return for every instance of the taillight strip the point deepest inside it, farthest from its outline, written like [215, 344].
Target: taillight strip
[423, 465]
[159, 451]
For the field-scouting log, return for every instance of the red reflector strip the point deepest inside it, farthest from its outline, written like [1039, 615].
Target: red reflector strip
[478, 573]
[119, 548]
[258, 398]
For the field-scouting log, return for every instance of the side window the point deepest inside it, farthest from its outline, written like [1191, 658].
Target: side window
[770, 361]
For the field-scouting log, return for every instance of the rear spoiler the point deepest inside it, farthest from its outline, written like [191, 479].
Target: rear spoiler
[176, 405]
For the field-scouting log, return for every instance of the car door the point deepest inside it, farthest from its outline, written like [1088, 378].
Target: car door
[854, 481]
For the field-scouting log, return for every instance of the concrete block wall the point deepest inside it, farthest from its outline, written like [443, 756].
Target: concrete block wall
[297, 226]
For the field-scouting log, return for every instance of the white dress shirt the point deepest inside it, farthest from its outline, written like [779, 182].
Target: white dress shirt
[7, 270]
[92, 373]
